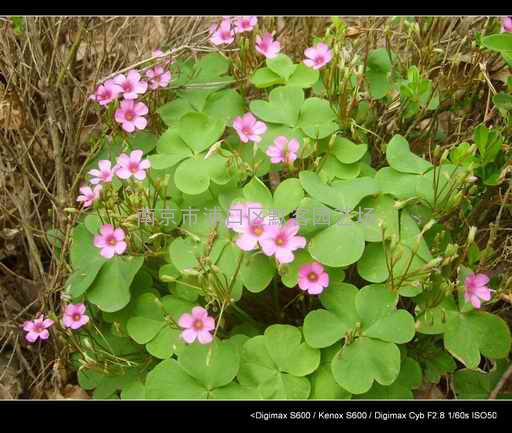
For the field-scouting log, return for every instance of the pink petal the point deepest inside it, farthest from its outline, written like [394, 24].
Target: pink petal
[43, 335]
[480, 279]
[133, 75]
[284, 255]
[310, 52]
[28, 325]
[324, 279]
[136, 155]
[186, 320]
[141, 109]
[296, 242]
[128, 126]
[475, 301]
[123, 173]
[106, 229]
[104, 165]
[99, 241]
[140, 122]
[189, 335]
[199, 313]
[204, 337]
[120, 247]
[209, 324]
[483, 293]
[139, 175]
[118, 234]
[68, 321]
[47, 323]
[309, 63]
[315, 288]
[108, 252]
[145, 164]
[32, 336]
[259, 128]
[246, 242]
[293, 145]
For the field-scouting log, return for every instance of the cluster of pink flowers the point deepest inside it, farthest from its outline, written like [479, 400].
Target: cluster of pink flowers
[74, 317]
[224, 33]
[110, 240]
[279, 240]
[130, 113]
[126, 167]
[197, 325]
[476, 289]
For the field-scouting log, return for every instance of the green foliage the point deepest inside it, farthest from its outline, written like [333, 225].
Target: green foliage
[374, 211]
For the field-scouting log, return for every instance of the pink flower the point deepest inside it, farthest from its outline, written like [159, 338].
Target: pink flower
[106, 92]
[159, 53]
[241, 214]
[476, 289]
[506, 24]
[312, 278]
[131, 85]
[245, 24]
[248, 128]
[37, 328]
[222, 33]
[89, 196]
[267, 46]
[104, 174]
[283, 150]
[130, 115]
[158, 77]
[317, 56]
[132, 165]
[281, 241]
[197, 325]
[74, 316]
[110, 241]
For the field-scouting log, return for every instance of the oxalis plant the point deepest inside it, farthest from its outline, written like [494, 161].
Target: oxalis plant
[234, 240]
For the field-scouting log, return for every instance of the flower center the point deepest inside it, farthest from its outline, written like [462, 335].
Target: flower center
[127, 86]
[246, 130]
[280, 241]
[129, 115]
[257, 230]
[312, 276]
[106, 94]
[225, 35]
[111, 240]
[133, 167]
[76, 317]
[198, 324]
[38, 328]
[319, 59]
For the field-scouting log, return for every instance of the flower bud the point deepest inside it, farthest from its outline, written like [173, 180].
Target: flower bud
[167, 278]
[471, 234]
